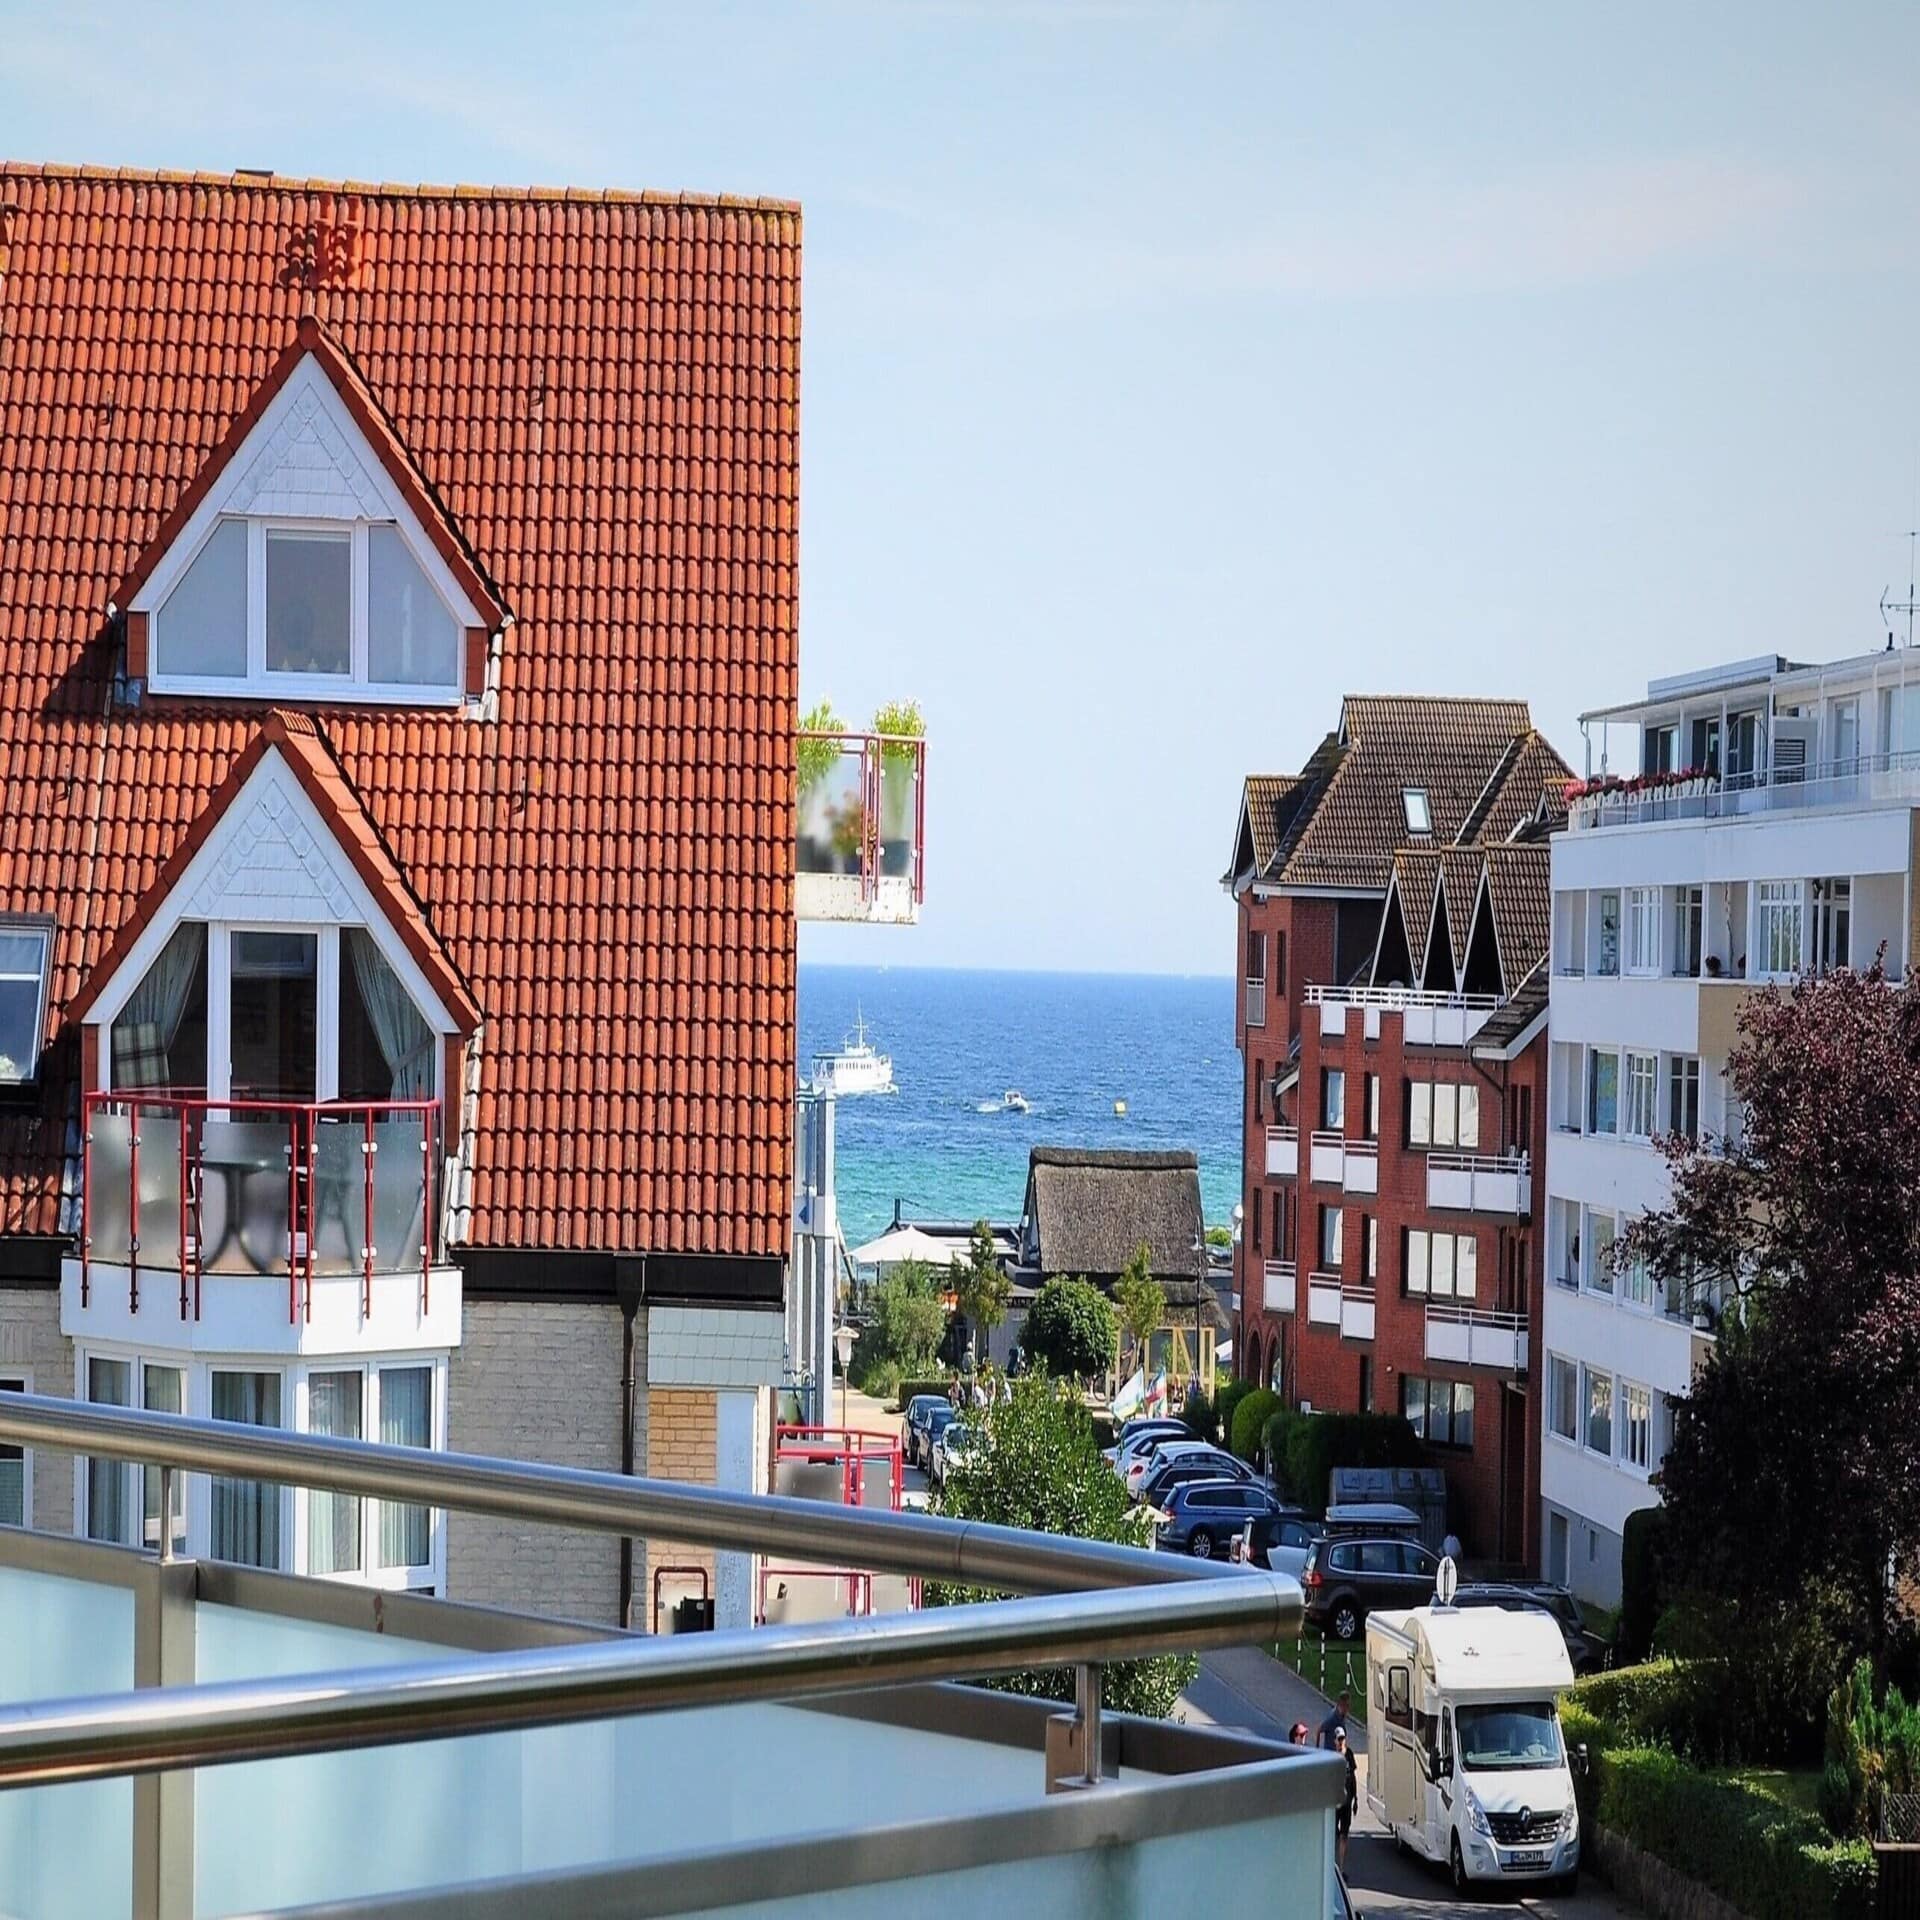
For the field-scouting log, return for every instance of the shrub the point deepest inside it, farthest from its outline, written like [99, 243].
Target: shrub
[1039, 1467]
[1201, 1415]
[1770, 1861]
[1642, 1546]
[1319, 1442]
[904, 1325]
[1250, 1419]
[879, 1378]
[1070, 1328]
[909, 1390]
[1228, 1396]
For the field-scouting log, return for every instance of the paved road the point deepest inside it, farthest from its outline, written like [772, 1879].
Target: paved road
[1387, 1882]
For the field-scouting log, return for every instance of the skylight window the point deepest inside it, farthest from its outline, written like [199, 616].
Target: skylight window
[318, 610]
[24, 951]
[1419, 817]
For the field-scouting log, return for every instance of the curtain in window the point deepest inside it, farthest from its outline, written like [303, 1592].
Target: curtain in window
[406, 1408]
[406, 1041]
[144, 1031]
[109, 1384]
[246, 1514]
[333, 1519]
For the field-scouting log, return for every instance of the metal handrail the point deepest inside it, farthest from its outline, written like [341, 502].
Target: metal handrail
[1390, 998]
[967, 1552]
[152, 1732]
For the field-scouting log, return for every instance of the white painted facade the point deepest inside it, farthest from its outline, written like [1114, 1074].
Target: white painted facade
[1671, 904]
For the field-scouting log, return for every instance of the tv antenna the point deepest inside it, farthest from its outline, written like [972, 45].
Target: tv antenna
[1889, 606]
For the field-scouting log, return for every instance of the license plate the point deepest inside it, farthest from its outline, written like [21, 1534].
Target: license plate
[1532, 1857]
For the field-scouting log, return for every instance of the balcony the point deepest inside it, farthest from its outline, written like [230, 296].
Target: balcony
[1478, 1183]
[1870, 780]
[1351, 1164]
[1427, 1019]
[1473, 1337]
[1278, 1277]
[189, 1204]
[1323, 1299]
[252, 1741]
[1283, 1151]
[1356, 1313]
[860, 803]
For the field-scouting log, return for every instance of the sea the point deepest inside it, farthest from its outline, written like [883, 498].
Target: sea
[946, 1146]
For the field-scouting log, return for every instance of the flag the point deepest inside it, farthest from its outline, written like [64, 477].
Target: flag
[1157, 1393]
[1128, 1399]
[1224, 1351]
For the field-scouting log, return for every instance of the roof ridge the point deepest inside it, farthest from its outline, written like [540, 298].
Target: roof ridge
[263, 180]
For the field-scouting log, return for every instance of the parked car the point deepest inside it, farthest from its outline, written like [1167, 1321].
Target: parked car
[1137, 1434]
[1376, 1519]
[1288, 1553]
[1208, 1463]
[939, 1419]
[914, 1440]
[1202, 1517]
[1586, 1651]
[951, 1443]
[1156, 1453]
[1345, 1579]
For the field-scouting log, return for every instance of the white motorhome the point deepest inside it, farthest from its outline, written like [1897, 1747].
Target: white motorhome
[1466, 1763]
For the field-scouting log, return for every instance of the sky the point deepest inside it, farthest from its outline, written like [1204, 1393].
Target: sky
[1170, 370]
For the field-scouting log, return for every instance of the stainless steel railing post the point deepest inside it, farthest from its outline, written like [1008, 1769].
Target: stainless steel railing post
[1087, 1682]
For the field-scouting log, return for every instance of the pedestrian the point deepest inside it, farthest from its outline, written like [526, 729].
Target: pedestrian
[1451, 1547]
[1349, 1798]
[1336, 1721]
[954, 1393]
[1297, 1734]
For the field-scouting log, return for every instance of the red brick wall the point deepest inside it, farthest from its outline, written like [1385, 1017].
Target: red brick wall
[1494, 1487]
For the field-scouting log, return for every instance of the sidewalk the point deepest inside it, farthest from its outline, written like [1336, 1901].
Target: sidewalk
[1247, 1687]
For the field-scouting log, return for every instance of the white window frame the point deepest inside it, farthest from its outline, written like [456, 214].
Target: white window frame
[1597, 1275]
[1606, 963]
[1416, 809]
[1440, 1266]
[42, 928]
[1639, 1095]
[432, 1575]
[1589, 1103]
[261, 683]
[1590, 1377]
[20, 1380]
[1629, 1421]
[1641, 932]
[1779, 929]
[1638, 1288]
[1573, 1409]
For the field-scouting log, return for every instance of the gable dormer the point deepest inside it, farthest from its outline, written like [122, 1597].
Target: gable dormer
[309, 561]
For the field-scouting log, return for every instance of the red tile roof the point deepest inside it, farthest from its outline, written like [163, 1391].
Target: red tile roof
[601, 390]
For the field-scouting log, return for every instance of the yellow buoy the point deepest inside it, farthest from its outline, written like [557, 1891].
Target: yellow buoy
[1120, 1107]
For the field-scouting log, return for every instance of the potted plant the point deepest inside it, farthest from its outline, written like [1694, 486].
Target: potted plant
[814, 762]
[897, 723]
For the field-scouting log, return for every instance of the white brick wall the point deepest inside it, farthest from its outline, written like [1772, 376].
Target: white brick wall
[538, 1382]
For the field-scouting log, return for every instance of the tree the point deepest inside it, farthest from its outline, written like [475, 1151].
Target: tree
[1070, 1329]
[980, 1285]
[904, 1322]
[1141, 1298]
[1794, 1472]
[1221, 1237]
[1039, 1467]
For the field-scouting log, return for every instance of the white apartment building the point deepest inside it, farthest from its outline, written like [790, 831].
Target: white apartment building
[1762, 825]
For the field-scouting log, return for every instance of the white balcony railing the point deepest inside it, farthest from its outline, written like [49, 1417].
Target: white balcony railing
[1256, 1003]
[1323, 1299]
[1427, 1019]
[1478, 1183]
[1353, 1164]
[1278, 1278]
[1327, 1158]
[1356, 1313]
[1475, 1337]
[1874, 779]
[1283, 1150]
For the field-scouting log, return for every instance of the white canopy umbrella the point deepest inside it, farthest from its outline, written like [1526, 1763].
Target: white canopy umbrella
[904, 1243]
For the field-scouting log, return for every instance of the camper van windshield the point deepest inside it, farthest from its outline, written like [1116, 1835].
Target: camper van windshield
[1517, 1733]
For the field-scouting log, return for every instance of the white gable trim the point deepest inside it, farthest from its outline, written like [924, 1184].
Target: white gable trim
[305, 458]
[271, 860]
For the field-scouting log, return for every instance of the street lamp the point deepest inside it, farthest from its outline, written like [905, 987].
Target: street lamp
[843, 1339]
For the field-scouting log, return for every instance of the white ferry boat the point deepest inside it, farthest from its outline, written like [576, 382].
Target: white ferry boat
[856, 1068]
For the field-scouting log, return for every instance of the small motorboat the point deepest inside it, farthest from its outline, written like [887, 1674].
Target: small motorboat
[1014, 1101]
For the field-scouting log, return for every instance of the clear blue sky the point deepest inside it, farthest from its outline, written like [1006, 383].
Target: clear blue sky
[1170, 369]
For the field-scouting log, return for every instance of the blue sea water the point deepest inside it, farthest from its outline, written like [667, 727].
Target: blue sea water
[1072, 1043]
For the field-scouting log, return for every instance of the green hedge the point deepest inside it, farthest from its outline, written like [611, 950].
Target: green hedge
[1770, 1861]
[1316, 1443]
[1227, 1396]
[911, 1390]
[1250, 1419]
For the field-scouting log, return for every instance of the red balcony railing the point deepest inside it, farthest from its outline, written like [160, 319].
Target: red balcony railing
[175, 1182]
[861, 814]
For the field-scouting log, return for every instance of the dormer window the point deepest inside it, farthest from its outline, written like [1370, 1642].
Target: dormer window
[292, 609]
[309, 561]
[25, 947]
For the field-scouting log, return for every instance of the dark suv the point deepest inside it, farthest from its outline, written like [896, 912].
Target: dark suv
[1344, 1580]
[1185, 1468]
[1203, 1516]
[1586, 1651]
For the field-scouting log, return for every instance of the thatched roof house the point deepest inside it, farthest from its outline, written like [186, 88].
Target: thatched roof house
[1087, 1209]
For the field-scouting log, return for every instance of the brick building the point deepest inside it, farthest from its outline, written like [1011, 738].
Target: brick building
[1392, 922]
